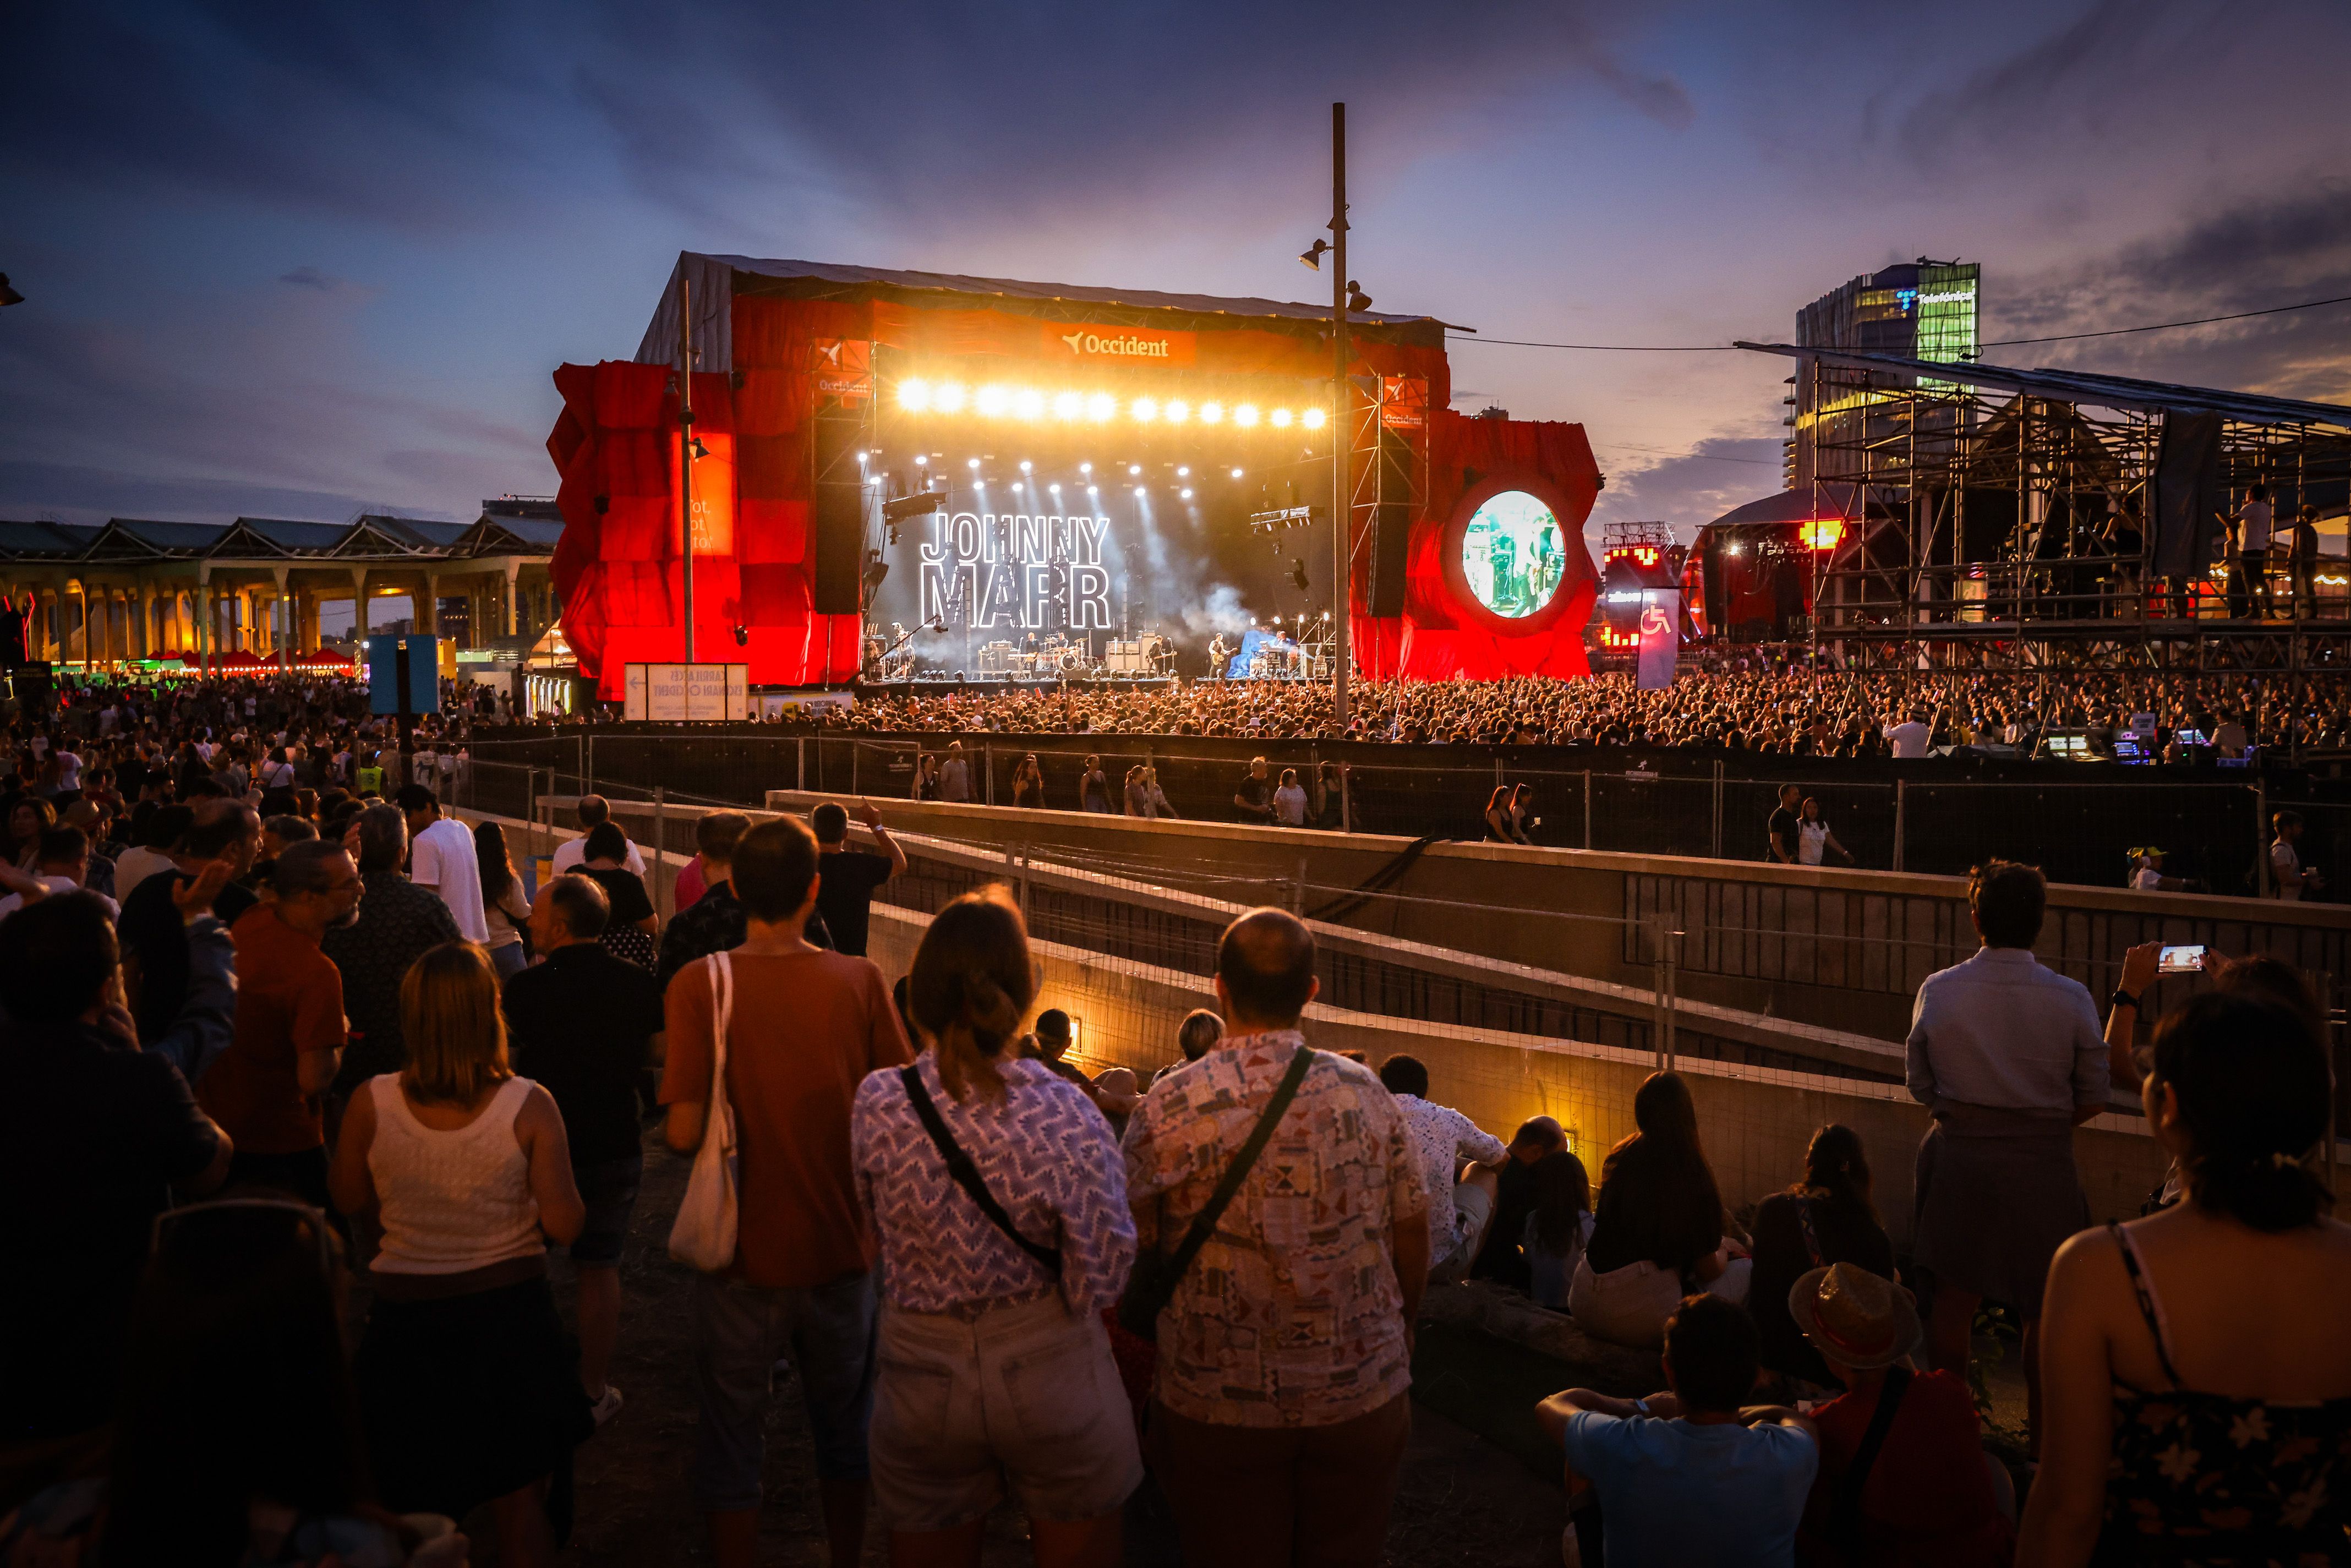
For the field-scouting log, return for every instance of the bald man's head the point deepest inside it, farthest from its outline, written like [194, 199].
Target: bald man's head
[1265, 966]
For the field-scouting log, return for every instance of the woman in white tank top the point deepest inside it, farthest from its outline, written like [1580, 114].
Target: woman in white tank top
[467, 1390]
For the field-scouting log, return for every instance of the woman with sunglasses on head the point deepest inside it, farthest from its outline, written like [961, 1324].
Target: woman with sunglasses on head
[467, 1391]
[2196, 1376]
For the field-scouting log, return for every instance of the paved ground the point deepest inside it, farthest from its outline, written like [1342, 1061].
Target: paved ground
[1461, 1500]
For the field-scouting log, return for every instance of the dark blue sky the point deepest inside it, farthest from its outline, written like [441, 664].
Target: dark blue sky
[296, 259]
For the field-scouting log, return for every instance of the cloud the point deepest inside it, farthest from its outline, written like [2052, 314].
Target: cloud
[1687, 489]
[311, 277]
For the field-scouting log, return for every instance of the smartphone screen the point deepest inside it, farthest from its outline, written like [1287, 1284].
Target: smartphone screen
[2179, 960]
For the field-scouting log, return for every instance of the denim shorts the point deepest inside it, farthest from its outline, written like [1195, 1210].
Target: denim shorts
[609, 1188]
[739, 1330]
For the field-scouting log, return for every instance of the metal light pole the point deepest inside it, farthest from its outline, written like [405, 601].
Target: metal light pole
[1340, 563]
[686, 446]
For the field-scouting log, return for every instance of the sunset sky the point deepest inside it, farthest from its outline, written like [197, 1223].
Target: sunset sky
[294, 260]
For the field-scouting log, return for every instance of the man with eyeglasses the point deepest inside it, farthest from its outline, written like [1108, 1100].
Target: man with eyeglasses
[266, 1089]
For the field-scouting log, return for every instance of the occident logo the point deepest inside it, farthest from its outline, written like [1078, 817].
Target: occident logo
[1125, 345]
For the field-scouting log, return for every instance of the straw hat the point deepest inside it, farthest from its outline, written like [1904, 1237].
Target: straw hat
[1853, 1317]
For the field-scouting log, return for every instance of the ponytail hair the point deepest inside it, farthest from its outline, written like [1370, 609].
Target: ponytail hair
[971, 986]
[2250, 1083]
[1836, 1169]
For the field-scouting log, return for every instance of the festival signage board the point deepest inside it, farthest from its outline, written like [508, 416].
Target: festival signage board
[686, 693]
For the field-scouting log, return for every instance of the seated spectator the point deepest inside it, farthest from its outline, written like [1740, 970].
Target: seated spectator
[1918, 1487]
[592, 811]
[1659, 1232]
[630, 930]
[93, 1134]
[237, 1440]
[1557, 1229]
[1826, 1218]
[1460, 1200]
[1195, 1037]
[977, 1301]
[2196, 1376]
[1688, 1479]
[467, 1390]
[1501, 1258]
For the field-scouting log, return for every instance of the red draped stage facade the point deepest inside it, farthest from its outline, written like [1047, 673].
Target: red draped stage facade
[782, 347]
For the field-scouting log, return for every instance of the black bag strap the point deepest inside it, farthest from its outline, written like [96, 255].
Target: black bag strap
[1205, 1222]
[966, 1174]
[1845, 1521]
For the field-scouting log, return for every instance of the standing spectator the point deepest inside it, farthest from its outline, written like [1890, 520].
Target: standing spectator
[1557, 1227]
[62, 865]
[2249, 554]
[1285, 1352]
[954, 775]
[442, 857]
[1781, 833]
[1029, 783]
[630, 930]
[1154, 798]
[2286, 870]
[582, 1023]
[151, 851]
[590, 810]
[807, 1027]
[1194, 1038]
[1138, 797]
[1924, 1491]
[2008, 1058]
[1460, 1201]
[993, 1306]
[1093, 788]
[1514, 1199]
[2303, 562]
[93, 1134]
[1688, 1477]
[1253, 798]
[503, 908]
[1659, 1230]
[1912, 736]
[266, 1087]
[399, 922]
[715, 922]
[846, 878]
[1824, 1218]
[466, 1392]
[1289, 800]
[2198, 1377]
[154, 932]
[925, 786]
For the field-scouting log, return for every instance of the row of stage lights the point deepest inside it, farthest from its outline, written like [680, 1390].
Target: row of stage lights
[1098, 408]
[1028, 468]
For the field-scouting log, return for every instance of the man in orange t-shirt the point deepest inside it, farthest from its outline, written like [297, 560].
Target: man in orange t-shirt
[264, 1090]
[807, 1027]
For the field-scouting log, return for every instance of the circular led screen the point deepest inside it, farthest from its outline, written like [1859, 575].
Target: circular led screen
[1512, 554]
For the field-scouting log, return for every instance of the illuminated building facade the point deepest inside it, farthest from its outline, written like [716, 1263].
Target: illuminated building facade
[1918, 310]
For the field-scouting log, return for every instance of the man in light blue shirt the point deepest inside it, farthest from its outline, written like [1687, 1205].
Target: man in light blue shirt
[1689, 1479]
[2010, 1058]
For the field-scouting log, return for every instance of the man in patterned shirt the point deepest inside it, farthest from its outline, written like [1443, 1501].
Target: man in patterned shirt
[1285, 1355]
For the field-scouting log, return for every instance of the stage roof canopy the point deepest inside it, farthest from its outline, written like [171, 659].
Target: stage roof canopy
[506, 527]
[2084, 387]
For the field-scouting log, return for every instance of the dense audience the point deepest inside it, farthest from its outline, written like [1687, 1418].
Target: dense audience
[1787, 711]
[282, 1060]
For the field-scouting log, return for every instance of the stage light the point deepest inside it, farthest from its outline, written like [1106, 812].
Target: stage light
[1280, 419]
[973, 462]
[1068, 406]
[914, 396]
[1178, 412]
[1027, 466]
[1028, 404]
[1245, 415]
[992, 401]
[1313, 418]
[1211, 413]
[1313, 255]
[1101, 406]
[1144, 410]
[1139, 490]
[1188, 495]
[1055, 488]
[947, 397]
[1135, 470]
[1093, 489]
[1085, 467]
[922, 460]
[1185, 473]
[1237, 472]
[861, 457]
[1357, 300]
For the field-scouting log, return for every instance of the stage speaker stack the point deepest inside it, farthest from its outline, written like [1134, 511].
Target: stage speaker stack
[1390, 533]
[836, 515]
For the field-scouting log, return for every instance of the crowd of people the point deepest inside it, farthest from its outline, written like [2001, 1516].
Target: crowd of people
[298, 1035]
[1786, 710]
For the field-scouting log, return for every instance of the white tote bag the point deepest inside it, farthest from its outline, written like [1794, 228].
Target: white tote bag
[704, 1235]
